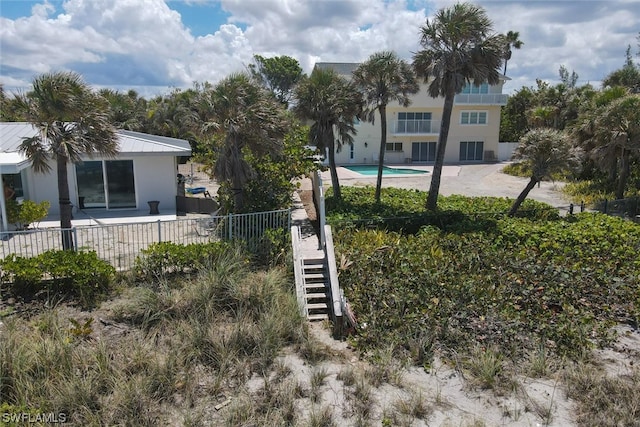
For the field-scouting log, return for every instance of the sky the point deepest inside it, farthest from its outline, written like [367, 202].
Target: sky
[154, 46]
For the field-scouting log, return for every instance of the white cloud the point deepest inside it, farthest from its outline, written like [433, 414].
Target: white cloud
[137, 43]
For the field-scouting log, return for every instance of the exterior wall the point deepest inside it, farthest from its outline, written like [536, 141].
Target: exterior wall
[154, 177]
[421, 102]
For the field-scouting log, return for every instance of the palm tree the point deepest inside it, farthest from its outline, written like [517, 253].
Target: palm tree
[512, 41]
[616, 131]
[459, 48]
[332, 104]
[384, 78]
[242, 116]
[544, 151]
[72, 121]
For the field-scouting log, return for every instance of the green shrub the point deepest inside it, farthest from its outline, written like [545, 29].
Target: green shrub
[25, 213]
[404, 210]
[163, 258]
[562, 282]
[81, 274]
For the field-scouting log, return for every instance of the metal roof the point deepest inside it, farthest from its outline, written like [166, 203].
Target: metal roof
[129, 143]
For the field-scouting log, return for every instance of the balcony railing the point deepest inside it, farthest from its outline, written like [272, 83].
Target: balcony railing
[416, 127]
[481, 98]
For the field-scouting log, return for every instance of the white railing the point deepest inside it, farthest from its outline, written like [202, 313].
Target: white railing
[318, 194]
[298, 269]
[415, 127]
[481, 98]
[334, 290]
[120, 244]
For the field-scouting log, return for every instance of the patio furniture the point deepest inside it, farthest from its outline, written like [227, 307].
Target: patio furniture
[153, 207]
[196, 190]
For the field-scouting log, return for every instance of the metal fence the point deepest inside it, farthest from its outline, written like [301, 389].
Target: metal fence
[120, 244]
[625, 208]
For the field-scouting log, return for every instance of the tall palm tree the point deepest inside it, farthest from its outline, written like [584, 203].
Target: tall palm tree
[384, 78]
[617, 132]
[72, 121]
[545, 151]
[512, 40]
[242, 116]
[459, 47]
[332, 104]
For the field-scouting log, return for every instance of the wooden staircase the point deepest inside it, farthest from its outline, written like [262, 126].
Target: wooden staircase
[315, 283]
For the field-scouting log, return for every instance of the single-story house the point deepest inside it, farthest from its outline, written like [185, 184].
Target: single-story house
[144, 170]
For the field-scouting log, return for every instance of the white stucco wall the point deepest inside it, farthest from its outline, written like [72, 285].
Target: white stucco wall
[154, 177]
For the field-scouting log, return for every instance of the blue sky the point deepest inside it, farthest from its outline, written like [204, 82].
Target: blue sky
[156, 45]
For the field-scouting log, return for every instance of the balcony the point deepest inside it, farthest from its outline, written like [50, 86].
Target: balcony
[415, 127]
[481, 99]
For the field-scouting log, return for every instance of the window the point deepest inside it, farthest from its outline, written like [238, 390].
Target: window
[393, 146]
[423, 151]
[14, 181]
[106, 184]
[471, 150]
[483, 88]
[473, 118]
[413, 122]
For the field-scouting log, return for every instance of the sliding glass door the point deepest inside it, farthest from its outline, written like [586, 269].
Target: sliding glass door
[106, 184]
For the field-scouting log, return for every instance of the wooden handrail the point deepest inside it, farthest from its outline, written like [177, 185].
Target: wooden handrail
[297, 269]
[336, 303]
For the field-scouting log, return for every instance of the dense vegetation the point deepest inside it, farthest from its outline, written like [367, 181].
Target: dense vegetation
[164, 350]
[484, 279]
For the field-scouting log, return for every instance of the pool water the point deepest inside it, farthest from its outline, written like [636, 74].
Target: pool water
[372, 170]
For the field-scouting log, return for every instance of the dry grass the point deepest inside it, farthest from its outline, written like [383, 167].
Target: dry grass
[604, 400]
[178, 344]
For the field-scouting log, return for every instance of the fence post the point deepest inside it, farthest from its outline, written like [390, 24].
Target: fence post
[75, 239]
[570, 208]
[606, 202]
[230, 222]
[159, 232]
[582, 206]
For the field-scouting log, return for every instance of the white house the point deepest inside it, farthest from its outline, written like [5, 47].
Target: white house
[144, 170]
[412, 132]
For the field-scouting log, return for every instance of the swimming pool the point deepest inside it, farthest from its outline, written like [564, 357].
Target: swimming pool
[372, 170]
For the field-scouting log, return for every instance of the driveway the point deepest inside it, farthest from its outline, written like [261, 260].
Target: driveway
[469, 180]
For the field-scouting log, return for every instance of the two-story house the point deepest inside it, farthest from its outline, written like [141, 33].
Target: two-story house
[412, 132]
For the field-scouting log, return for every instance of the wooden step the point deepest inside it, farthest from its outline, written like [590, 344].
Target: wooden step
[317, 306]
[313, 265]
[321, 316]
[314, 276]
[317, 285]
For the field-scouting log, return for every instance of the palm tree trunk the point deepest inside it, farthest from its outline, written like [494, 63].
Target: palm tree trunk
[332, 166]
[624, 174]
[64, 202]
[434, 189]
[383, 147]
[516, 204]
[238, 195]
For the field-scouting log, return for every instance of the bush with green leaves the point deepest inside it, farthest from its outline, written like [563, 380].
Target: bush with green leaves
[404, 210]
[166, 258]
[81, 274]
[559, 282]
[25, 213]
